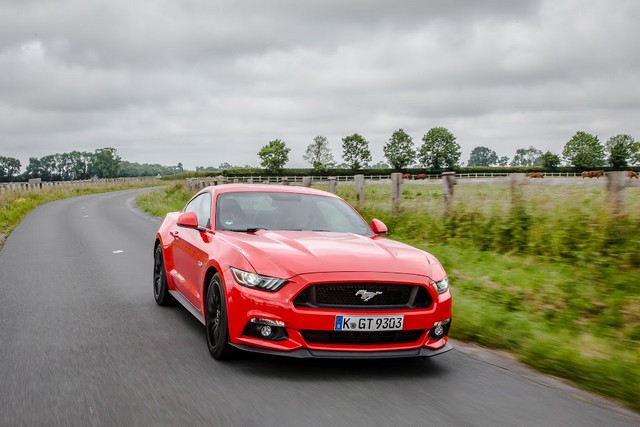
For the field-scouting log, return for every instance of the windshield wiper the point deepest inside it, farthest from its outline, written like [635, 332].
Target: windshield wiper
[246, 230]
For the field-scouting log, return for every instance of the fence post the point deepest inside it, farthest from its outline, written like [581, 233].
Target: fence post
[616, 184]
[306, 181]
[285, 180]
[396, 188]
[333, 183]
[516, 180]
[448, 181]
[359, 181]
[35, 183]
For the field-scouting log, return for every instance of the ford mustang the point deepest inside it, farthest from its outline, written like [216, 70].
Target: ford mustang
[298, 272]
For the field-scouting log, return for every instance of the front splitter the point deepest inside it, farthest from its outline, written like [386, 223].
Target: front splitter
[304, 353]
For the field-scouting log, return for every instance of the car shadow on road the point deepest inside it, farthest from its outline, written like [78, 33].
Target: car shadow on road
[331, 369]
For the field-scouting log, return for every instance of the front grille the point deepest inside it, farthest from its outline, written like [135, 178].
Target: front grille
[355, 295]
[377, 337]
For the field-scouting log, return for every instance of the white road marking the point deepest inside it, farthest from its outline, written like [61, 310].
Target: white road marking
[118, 251]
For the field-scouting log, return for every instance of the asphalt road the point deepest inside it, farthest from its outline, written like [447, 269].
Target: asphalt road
[83, 343]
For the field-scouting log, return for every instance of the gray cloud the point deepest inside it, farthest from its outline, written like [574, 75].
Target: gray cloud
[204, 82]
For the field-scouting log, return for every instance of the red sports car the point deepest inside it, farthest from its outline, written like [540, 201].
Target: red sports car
[296, 271]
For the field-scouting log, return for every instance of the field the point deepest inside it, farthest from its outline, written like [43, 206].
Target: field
[548, 273]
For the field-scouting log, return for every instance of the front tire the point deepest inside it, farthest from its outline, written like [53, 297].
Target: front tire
[160, 287]
[216, 321]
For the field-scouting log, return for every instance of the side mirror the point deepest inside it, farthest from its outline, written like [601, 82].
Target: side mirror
[378, 226]
[188, 220]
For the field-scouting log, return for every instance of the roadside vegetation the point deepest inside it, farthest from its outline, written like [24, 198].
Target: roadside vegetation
[15, 205]
[547, 273]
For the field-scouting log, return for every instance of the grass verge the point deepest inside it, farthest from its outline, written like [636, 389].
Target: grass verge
[573, 315]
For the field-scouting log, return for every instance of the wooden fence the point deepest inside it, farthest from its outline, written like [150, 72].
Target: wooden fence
[615, 182]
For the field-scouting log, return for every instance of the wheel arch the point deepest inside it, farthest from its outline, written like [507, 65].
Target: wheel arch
[211, 271]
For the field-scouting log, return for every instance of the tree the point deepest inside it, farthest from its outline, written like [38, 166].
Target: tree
[635, 153]
[482, 156]
[379, 165]
[527, 157]
[274, 155]
[399, 150]
[355, 151]
[550, 160]
[80, 165]
[439, 149]
[620, 149]
[9, 168]
[34, 168]
[318, 154]
[106, 162]
[503, 161]
[584, 151]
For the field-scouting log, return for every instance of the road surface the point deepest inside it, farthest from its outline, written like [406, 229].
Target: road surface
[83, 343]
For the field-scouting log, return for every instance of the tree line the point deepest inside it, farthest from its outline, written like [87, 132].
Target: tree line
[80, 165]
[439, 150]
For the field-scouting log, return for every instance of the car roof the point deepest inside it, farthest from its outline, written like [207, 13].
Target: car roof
[266, 188]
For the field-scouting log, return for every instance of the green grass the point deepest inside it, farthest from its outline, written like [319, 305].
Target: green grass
[547, 273]
[171, 198]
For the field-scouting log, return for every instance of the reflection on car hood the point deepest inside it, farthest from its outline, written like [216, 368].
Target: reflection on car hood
[288, 253]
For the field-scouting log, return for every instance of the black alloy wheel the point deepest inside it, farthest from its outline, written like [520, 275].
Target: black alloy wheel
[160, 289]
[216, 321]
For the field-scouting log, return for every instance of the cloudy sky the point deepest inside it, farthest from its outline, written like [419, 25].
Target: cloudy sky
[204, 82]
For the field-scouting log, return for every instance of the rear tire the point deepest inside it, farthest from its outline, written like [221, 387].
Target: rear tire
[160, 288]
[216, 321]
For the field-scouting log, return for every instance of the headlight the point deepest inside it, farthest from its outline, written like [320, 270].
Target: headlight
[441, 285]
[253, 280]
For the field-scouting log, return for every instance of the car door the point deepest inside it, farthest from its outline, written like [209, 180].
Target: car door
[189, 251]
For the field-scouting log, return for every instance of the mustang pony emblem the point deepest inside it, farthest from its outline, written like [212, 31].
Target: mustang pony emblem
[366, 295]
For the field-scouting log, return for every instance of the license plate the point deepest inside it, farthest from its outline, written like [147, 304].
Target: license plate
[368, 323]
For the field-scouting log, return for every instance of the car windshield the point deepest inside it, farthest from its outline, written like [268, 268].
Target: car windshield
[252, 211]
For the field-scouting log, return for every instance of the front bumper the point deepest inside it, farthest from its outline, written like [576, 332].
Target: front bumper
[304, 353]
[244, 304]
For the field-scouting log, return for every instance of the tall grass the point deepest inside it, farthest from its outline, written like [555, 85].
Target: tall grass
[555, 223]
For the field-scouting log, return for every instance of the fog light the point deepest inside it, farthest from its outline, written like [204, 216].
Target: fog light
[266, 331]
[438, 331]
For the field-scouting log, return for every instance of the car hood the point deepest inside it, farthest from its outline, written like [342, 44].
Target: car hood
[286, 254]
